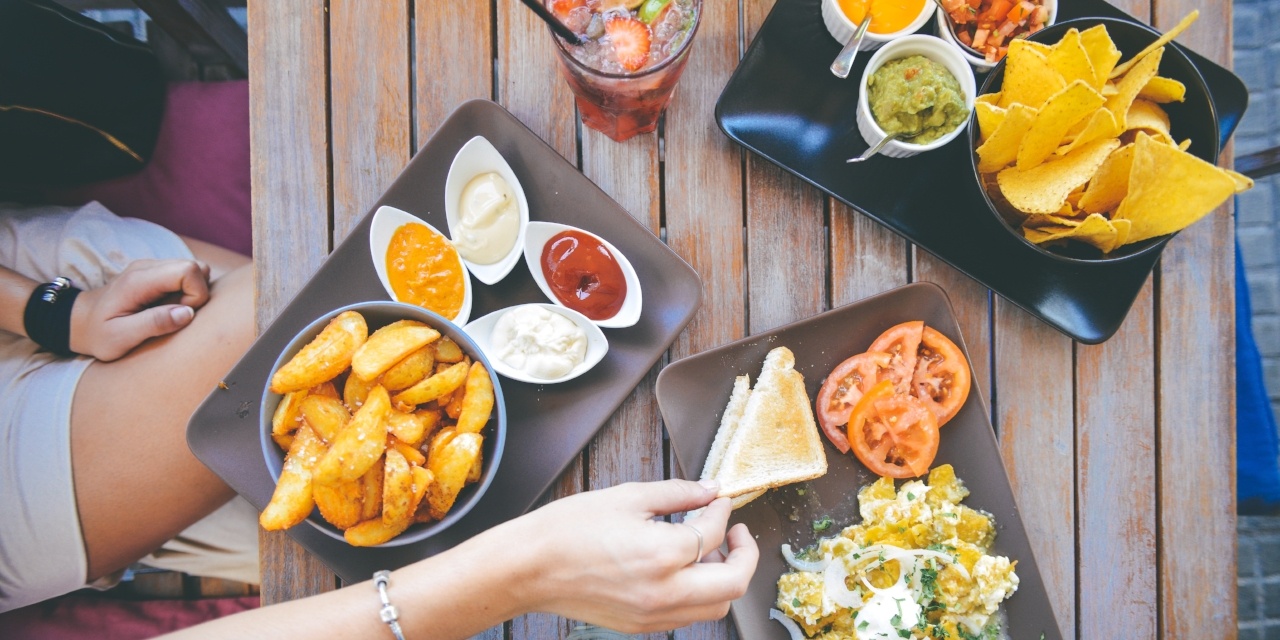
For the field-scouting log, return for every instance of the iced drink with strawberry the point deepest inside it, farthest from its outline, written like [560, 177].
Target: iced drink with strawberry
[623, 76]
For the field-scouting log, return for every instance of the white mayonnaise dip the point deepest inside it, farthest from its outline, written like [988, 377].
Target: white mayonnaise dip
[488, 219]
[538, 341]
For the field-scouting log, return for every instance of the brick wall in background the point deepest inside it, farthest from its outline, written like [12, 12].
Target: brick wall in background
[1257, 61]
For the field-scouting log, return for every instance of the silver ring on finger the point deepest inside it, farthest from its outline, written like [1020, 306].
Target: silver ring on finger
[698, 533]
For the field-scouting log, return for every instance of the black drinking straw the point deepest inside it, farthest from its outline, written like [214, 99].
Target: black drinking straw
[554, 22]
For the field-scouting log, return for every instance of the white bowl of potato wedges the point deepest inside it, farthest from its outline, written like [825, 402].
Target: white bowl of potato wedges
[382, 425]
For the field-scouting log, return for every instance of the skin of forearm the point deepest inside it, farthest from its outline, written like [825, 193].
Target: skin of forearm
[15, 290]
[481, 583]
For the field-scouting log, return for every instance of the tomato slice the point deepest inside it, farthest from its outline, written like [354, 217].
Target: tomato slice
[894, 435]
[901, 342]
[941, 379]
[843, 388]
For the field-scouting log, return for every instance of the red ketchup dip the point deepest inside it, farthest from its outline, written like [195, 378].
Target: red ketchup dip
[584, 275]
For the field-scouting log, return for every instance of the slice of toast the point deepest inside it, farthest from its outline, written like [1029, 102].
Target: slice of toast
[728, 426]
[776, 441]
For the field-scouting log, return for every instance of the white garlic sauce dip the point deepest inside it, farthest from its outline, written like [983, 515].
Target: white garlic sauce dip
[540, 342]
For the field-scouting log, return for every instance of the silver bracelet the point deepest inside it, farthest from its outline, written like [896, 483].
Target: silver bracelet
[390, 614]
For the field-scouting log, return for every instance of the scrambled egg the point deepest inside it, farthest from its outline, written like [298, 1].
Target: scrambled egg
[915, 567]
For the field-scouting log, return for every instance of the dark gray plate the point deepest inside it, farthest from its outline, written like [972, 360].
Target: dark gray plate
[692, 394]
[548, 424]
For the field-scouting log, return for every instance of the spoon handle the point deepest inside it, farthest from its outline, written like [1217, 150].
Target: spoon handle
[874, 149]
[844, 61]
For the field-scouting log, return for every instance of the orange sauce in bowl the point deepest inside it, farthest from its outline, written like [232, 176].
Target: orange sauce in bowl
[887, 16]
[424, 269]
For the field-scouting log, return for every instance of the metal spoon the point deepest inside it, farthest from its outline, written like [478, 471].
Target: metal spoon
[955, 32]
[844, 61]
[878, 146]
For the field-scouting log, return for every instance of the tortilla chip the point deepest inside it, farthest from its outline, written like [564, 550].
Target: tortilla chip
[1158, 44]
[1170, 189]
[989, 98]
[1071, 61]
[1147, 116]
[1243, 182]
[1095, 230]
[1109, 184]
[1100, 125]
[1123, 227]
[1059, 113]
[1109, 89]
[1163, 90]
[1133, 82]
[1044, 189]
[1001, 149]
[989, 119]
[1042, 220]
[1186, 144]
[1028, 78]
[1103, 54]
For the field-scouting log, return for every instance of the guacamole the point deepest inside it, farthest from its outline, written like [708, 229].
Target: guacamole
[916, 94]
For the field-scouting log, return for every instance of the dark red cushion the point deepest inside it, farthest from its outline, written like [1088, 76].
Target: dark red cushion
[197, 182]
[85, 615]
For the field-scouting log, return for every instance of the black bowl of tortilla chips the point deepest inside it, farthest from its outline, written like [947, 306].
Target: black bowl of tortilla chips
[1094, 140]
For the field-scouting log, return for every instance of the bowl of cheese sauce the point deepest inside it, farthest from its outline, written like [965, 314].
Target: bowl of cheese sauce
[418, 265]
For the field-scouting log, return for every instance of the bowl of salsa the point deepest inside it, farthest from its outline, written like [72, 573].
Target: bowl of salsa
[988, 26]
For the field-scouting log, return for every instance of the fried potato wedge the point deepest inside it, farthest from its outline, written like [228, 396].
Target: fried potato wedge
[434, 387]
[374, 532]
[477, 400]
[451, 464]
[410, 452]
[326, 356]
[292, 500]
[448, 351]
[409, 428]
[355, 391]
[414, 368]
[371, 483]
[326, 389]
[325, 415]
[342, 504]
[359, 445]
[288, 415]
[388, 346]
[397, 489]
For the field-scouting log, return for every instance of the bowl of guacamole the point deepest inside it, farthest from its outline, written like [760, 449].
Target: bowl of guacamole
[920, 87]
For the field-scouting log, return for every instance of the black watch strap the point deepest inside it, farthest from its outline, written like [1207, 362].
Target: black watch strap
[47, 317]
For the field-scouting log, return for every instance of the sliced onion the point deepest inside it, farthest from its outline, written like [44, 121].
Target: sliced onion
[815, 566]
[792, 627]
[836, 590]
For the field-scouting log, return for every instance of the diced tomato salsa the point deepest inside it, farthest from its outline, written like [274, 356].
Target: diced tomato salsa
[988, 26]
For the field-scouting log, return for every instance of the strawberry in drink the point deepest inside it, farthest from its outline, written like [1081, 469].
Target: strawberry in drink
[623, 77]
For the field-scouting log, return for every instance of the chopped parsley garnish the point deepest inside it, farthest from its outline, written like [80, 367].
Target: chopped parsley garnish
[862, 626]
[928, 582]
[911, 496]
[822, 524]
[903, 633]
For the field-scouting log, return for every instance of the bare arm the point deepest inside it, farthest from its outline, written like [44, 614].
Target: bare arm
[599, 556]
[15, 289]
[149, 298]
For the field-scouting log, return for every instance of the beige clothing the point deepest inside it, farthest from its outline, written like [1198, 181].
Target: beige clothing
[41, 546]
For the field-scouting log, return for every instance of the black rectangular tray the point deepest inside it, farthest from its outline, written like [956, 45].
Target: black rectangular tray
[783, 104]
[547, 424]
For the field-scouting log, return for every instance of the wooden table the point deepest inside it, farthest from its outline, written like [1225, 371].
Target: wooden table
[1122, 454]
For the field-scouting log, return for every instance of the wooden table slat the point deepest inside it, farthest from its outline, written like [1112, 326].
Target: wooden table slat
[1196, 406]
[1035, 414]
[457, 43]
[290, 183]
[973, 311]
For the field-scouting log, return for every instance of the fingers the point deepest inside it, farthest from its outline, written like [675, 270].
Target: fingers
[148, 282]
[712, 521]
[713, 582]
[132, 330]
[671, 496]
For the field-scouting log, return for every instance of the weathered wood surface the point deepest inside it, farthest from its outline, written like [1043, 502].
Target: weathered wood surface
[1121, 455]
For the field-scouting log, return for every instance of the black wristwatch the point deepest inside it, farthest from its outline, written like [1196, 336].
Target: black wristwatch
[47, 317]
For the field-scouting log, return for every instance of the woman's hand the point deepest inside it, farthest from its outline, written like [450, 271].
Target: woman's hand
[601, 556]
[149, 298]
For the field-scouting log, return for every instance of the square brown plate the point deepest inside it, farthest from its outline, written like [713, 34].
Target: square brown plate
[692, 394]
[548, 424]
